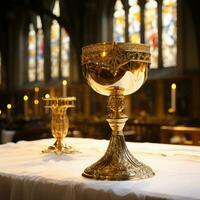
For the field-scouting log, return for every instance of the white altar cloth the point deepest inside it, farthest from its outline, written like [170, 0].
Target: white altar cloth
[27, 174]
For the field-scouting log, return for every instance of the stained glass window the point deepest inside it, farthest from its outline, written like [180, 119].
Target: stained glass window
[129, 14]
[56, 8]
[65, 53]
[119, 22]
[134, 22]
[151, 30]
[60, 47]
[55, 37]
[31, 53]
[40, 50]
[35, 51]
[169, 33]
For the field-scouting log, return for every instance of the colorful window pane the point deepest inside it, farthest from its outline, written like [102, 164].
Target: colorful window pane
[32, 54]
[169, 33]
[60, 48]
[56, 8]
[119, 22]
[40, 51]
[65, 53]
[55, 38]
[151, 30]
[134, 22]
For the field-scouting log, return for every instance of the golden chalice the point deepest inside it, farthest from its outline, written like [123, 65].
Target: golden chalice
[59, 123]
[115, 70]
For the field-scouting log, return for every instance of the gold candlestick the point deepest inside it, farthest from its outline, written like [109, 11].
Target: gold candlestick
[115, 70]
[59, 123]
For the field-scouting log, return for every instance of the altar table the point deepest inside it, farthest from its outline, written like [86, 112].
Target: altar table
[28, 174]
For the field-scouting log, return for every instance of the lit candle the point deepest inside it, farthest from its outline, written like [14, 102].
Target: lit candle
[47, 96]
[36, 101]
[173, 96]
[25, 106]
[9, 107]
[36, 89]
[64, 88]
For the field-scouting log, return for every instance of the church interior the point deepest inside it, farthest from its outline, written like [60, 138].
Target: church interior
[41, 53]
[99, 100]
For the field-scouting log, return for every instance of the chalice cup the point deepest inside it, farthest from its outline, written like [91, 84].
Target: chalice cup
[116, 70]
[59, 123]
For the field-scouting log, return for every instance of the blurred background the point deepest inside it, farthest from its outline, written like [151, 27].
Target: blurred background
[40, 57]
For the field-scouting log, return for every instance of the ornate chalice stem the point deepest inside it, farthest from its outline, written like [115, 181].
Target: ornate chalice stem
[117, 163]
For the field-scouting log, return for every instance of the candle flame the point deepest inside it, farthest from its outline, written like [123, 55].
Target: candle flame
[47, 96]
[36, 101]
[9, 106]
[64, 82]
[36, 89]
[0, 112]
[173, 86]
[25, 97]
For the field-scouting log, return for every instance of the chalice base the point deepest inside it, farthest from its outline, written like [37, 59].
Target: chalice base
[118, 164]
[59, 148]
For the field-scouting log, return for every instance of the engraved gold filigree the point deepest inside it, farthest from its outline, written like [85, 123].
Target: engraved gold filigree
[59, 123]
[107, 64]
[113, 56]
[116, 104]
[116, 69]
[118, 163]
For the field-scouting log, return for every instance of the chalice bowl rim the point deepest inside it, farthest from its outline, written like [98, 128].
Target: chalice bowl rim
[130, 46]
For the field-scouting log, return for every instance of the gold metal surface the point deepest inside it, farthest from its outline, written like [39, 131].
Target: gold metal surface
[115, 70]
[59, 123]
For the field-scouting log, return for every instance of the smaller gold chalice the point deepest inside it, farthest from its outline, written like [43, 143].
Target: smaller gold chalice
[59, 123]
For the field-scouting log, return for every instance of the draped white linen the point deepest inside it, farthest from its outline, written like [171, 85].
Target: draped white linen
[28, 174]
